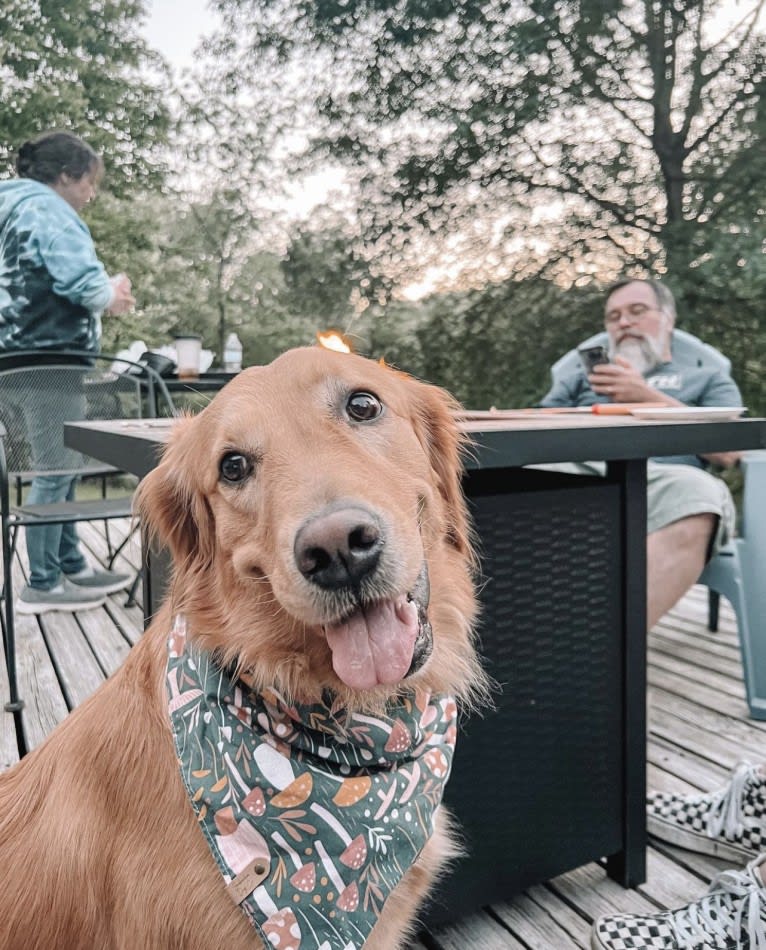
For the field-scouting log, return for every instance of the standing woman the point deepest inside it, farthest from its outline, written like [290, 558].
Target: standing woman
[53, 290]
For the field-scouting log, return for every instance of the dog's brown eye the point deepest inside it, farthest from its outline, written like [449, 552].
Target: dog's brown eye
[235, 467]
[363, 407]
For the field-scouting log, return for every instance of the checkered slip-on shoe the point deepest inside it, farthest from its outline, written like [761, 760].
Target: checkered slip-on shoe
[729, 823]
[732, 916]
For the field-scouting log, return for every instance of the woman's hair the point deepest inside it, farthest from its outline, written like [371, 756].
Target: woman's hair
[49, 155]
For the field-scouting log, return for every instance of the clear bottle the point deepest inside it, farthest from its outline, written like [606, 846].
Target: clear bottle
[232, 354]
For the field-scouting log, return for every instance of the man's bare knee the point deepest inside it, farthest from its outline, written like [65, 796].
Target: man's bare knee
[675, 557]
[686, 533]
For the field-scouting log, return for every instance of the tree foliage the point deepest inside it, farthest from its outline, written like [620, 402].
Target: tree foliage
[82, 65]
[191, 266]
[211, 267]
[585, 131]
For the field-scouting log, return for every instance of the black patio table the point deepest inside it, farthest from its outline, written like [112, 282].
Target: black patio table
[209, 382]
[195, 393]
[553, 776]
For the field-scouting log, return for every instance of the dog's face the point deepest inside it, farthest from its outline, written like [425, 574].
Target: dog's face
[318, 530]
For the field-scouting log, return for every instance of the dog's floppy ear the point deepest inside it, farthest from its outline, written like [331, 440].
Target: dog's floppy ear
[170, 502]
[437, 430]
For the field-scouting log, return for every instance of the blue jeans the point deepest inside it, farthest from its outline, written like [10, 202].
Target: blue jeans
[53, 548]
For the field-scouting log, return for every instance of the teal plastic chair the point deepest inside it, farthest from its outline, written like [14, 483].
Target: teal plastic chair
[733, 572]
[736, 573]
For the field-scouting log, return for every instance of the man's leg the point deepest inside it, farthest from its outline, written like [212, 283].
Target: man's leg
[675, 557]
[690, 514]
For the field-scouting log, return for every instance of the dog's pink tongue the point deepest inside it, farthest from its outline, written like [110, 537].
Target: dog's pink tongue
[374, 646]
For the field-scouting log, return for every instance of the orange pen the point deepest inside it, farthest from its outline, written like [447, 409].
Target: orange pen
[623, 408]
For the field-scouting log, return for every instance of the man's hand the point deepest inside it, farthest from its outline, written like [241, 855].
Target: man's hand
[724, 459]
[623, 383]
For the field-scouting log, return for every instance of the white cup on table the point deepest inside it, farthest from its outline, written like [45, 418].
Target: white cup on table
[188, 349]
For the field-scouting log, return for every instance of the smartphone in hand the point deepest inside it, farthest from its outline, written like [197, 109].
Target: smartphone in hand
[592, 356]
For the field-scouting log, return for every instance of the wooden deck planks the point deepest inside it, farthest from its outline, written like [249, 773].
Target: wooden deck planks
[698, 729]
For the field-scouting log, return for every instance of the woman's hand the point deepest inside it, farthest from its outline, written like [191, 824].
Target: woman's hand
[123, 300]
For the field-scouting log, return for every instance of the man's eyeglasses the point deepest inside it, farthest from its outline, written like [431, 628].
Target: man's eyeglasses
[634, 314]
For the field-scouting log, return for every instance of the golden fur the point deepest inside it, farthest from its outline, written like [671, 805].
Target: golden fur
[98, 845]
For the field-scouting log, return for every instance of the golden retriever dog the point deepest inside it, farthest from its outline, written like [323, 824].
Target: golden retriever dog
[266, 767]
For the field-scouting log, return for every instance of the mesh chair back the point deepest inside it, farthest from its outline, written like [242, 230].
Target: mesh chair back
[36, 401]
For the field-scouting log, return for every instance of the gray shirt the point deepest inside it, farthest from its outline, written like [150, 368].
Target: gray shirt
[691, 385]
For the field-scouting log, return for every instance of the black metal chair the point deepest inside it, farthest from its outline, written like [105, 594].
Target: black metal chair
[38, 393]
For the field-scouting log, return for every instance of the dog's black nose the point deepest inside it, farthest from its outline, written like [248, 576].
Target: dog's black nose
[339, 548]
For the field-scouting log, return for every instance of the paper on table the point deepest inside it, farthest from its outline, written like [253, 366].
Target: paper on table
[599, 409]
[498, 414]
[693, 413]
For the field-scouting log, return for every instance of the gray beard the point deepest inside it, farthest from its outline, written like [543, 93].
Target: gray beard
[642, 353]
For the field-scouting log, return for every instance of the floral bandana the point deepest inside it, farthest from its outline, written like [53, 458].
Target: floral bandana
[313, 814]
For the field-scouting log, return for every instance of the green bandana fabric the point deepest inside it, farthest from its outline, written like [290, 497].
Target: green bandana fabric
[312, 813]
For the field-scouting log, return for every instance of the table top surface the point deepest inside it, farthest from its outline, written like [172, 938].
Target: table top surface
[526, 437]
[211, 381]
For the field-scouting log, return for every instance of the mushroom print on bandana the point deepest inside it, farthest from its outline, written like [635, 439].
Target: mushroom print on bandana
[312, 813]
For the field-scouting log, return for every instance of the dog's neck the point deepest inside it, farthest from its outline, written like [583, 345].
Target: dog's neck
[312, 813]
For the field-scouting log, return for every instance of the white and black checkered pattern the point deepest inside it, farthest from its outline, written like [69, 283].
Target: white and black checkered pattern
[629, 933]
[731, 916]
[730, 822]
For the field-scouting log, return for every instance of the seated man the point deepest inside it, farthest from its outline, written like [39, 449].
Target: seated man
[690, 512]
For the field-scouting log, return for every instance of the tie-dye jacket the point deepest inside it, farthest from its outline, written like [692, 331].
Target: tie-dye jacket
[53, 288]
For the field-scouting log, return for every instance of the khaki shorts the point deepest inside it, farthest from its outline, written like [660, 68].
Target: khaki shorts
[674, 492]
